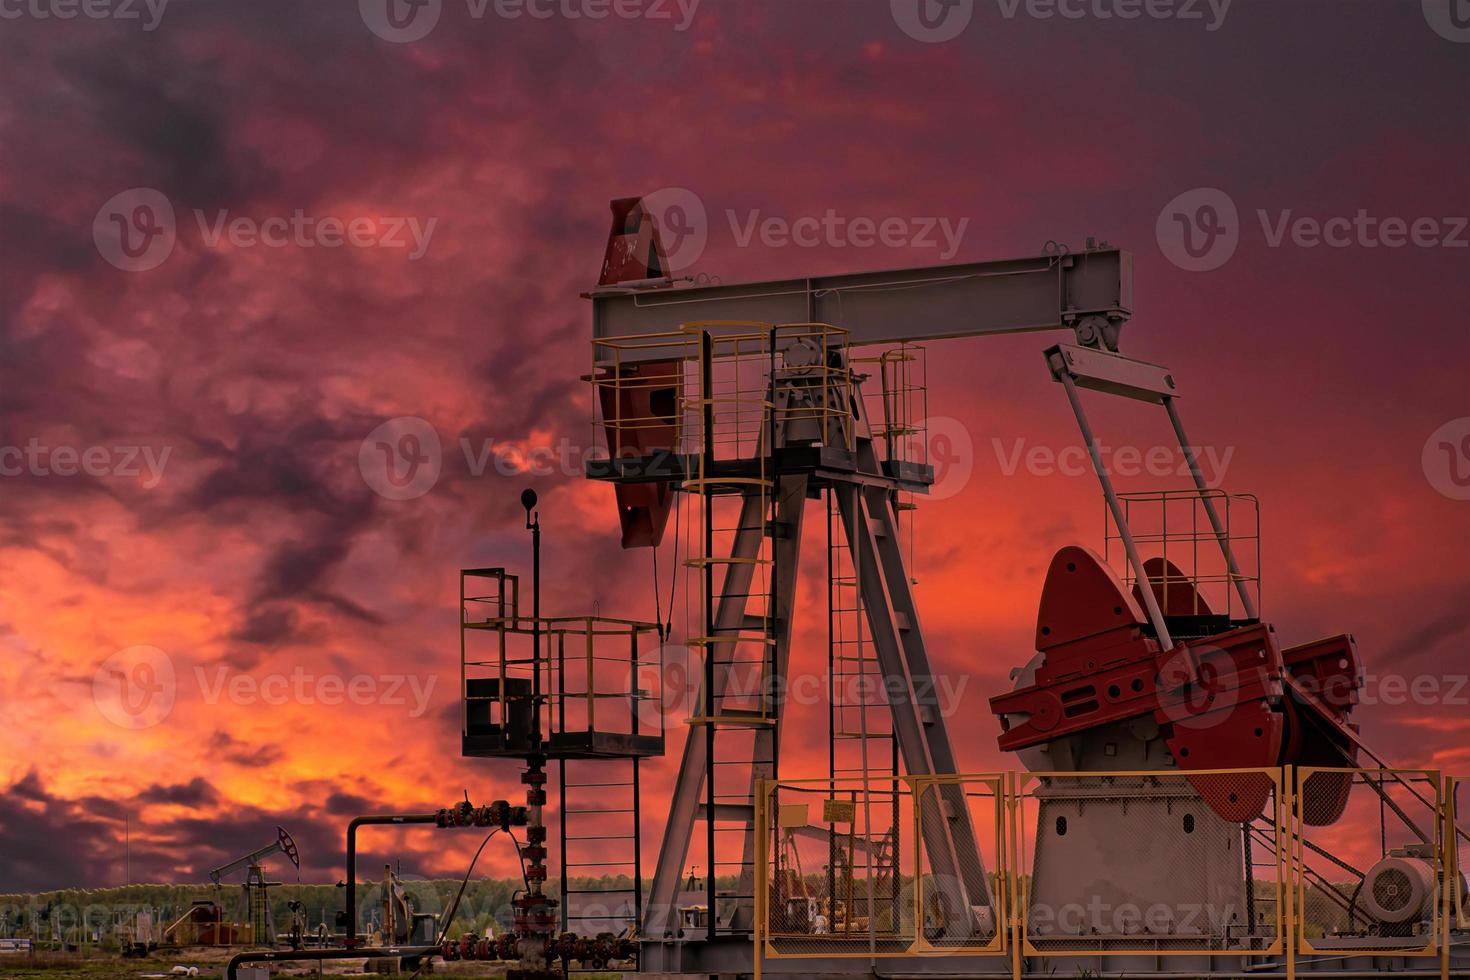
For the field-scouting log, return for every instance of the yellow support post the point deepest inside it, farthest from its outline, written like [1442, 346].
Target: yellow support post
[761, 876]
[1013, 909]
[1448, 870]
[1290, 872]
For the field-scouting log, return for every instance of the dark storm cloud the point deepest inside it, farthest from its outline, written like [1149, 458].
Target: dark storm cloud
[33, 855]
[174, 123]
[267, 625]
[196, 792]
[251, 755]
[289, 471]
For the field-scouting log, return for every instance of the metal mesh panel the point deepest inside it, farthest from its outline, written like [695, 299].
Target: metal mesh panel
[1457, 811]
[1370, 860]
[961, 903]
[837, 865]
[1131, 862]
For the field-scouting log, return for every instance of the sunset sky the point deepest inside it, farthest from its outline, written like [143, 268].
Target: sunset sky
[226, 391]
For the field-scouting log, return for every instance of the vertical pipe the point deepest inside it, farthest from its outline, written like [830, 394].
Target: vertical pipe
[1246, 602]
[637, 849]
[773, 690]
[633, 703]
[464, 701]
[831, 715]
[1119, 518]
[561, 683]
[561, 785]
[591, 679]
[707, 397]
[535, 524]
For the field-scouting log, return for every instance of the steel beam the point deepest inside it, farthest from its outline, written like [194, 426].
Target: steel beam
[1090, 292]
[950, 843]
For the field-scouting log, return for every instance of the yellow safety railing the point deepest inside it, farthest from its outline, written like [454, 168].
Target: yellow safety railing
[1397, 889]
[1271, 886]
[986, 797]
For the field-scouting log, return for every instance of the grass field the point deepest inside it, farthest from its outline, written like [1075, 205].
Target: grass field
[210, 963]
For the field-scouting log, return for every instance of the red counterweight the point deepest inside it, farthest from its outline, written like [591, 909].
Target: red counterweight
[639, 401]
[639, 406]
[1228, 700]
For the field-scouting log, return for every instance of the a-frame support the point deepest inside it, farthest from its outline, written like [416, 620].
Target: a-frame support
[870, 525]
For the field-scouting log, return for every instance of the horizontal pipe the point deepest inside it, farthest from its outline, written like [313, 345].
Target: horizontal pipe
[411, 953]
[1195, 975]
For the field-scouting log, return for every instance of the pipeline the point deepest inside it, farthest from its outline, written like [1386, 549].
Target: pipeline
[411, 954]
[462, 814]
[596, 952]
